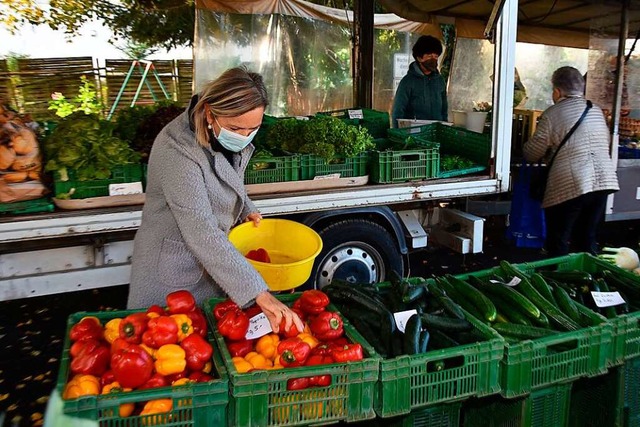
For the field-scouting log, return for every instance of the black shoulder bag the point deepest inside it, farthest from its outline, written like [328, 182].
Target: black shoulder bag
[539, 180]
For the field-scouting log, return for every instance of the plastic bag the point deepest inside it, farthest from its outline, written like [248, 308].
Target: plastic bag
[527, 226]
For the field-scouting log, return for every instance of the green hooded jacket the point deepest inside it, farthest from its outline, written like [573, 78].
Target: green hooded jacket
[420, 96]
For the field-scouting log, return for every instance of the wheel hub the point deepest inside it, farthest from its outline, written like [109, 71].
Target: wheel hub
[352, 264]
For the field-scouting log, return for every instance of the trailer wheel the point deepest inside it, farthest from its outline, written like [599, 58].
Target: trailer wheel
[355, 251]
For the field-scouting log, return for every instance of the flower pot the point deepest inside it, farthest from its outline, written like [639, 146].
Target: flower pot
[459, 118]
[476, 120]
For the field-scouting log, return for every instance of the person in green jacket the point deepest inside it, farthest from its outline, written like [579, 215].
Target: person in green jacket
[422, 93]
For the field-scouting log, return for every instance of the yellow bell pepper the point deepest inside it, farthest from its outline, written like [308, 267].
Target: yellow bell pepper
[151, 351]
[152, 315]
[207, 367]
[158, 407]
[112, 330]
[241, 365]
[81, 385]
[170, 359]
[267, 345]
[258, 361]
[309, 339]
[125, 409]
[185, 327]
[181, 381]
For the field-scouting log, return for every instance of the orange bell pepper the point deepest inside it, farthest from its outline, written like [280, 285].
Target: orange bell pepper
[241, 365]
[185, 325]
[170, 359]
[309, 339]
[81, 385]
[207, 367]
[125, 409]
[258, 361]
[181, 381]
[112, 329]
[267, 346]
[157, 407]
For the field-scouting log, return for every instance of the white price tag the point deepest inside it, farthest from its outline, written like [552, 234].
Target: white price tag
[258, 326]
[607, 299]
[356, 114]
[125, 189]
[302, 118]
[513, 282]
[329, 176]
[401, 318]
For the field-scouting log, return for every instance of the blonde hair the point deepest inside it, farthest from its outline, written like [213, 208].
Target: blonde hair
[235, 92]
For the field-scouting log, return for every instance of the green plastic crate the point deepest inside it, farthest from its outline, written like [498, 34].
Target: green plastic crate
[261, 398]
[626, 328]
[532, 364]
[97, 187]
[599, 401]
[376, 122]
[408, 165]
[42, 204]
[632, 392]
[272, 169]
[445, 415]
[546, 407]
[194, 405]
[312, 166]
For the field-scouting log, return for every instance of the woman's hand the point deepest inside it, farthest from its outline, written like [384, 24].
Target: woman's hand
[255, 217]
[276, 311]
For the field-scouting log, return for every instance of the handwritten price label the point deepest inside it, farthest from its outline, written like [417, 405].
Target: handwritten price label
[356, 114]
[401, 318]
[607, 299]
[258, 326]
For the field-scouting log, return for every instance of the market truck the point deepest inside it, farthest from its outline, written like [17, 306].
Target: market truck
[367, 230]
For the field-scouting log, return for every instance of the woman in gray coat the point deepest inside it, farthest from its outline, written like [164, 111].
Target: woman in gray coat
[195, 194]
[582, 174]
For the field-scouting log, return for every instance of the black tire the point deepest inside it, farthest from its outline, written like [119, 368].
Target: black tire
[356, 251]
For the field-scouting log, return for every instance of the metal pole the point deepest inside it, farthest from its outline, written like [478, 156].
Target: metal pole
[617, 102]
[363, 53]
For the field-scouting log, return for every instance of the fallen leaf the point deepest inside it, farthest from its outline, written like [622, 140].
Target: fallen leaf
[40, 377]
[20, 386]
[42, 400]
[36, 353]
[36, 416]
[4, 396]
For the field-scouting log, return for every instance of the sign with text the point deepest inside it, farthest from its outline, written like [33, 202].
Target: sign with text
[607, 299]
[400, 65]
[258, 326]
[402, 317]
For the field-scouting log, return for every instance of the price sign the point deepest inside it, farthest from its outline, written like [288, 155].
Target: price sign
[356, 114]
[513, 282]
[125, 189]
[401, 318]
[607, 299]
[258, 326]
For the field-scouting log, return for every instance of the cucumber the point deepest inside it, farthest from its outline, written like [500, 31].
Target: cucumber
[513, 313]
[411, 341]
[566, 304]
[463, 302]
[575, 277]
[543, 288]
[591, 316]
[521, 331]
[424, 341]
[545, 306]
[445, 324]
[514, 298]
[477, 298]
[608, 312]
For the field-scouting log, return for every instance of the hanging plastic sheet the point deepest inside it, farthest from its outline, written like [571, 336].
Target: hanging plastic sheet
[527, 228]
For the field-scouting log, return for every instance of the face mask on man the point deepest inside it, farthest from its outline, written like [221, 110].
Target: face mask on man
[233, 141]
[430, 64]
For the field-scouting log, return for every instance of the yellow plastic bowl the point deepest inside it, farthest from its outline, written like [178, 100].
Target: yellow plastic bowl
[292, 248]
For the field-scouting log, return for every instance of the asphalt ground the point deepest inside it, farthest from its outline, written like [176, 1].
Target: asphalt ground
[32, 330]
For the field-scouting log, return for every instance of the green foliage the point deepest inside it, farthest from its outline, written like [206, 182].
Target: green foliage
[285, 135]
[454, 162]
[86, 101]
[86, 144]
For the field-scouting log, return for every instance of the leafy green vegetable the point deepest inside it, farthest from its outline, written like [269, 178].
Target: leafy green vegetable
[86, 145]
[454, 162]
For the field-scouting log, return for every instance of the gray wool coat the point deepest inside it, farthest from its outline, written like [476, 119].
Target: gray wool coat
[583, 164]
[189, 209]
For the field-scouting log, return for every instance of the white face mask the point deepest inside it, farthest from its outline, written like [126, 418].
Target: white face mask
[234, 141]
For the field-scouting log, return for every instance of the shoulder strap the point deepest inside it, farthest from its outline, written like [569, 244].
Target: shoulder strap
[573, 129]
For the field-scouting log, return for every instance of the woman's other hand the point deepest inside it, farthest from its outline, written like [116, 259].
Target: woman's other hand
[255, 217]
[276, 311]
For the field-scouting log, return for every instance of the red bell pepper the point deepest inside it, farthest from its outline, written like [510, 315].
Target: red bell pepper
[293, 352]
[319, 380]
[240, 348]
[132, 366]
[234, 325]
[298, 383]
[180, 302]
[175, 377]
[292, 332]
[118, 344]
[88, 328]
[92, 359]
[156, 309]
[327, 326]
[161, 330]
[156, 380]
[253, 310]
[321, 350]
[131, 329]
[198, 321]
[107, 378]
[220, 309]
[260, 255]
[200, 377]
[197, 351]
[347, 353]
[313, 301]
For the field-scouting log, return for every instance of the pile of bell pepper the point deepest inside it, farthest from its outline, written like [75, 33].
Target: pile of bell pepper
[321, 342]
[164, 346]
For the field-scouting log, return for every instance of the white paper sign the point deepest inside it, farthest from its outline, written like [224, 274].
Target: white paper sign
[356, 114]
[125, 189]
[329, 176]
[258, 326]
[302, 118]
[401, 318]
[515, 281]
[607, 299]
